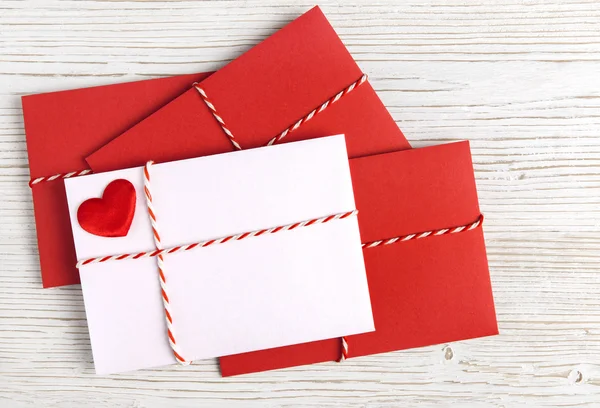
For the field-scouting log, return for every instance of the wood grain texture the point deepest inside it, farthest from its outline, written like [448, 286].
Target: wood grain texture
[520, 79]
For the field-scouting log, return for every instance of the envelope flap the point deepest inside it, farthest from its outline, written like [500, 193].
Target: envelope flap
[414, 191]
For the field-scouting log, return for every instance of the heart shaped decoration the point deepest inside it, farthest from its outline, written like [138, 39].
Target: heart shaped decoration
[111, 215]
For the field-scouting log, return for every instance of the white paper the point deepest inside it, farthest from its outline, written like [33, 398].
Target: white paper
[274, 290]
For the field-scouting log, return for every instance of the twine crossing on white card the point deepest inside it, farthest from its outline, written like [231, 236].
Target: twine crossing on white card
[159, 252]
[320, 109]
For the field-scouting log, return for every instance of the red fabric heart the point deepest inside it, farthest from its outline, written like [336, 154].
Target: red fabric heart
[111, 215]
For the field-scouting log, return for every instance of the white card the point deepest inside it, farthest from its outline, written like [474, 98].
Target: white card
[274, 290]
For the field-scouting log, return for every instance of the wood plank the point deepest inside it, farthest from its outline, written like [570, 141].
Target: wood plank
[521, 80]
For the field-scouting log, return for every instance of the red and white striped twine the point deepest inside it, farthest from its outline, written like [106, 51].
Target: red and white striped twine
[161, 267]
[344, 352]
[218, 117]
[35, 181]
[420, 235]
[159, 252]
[320, 109]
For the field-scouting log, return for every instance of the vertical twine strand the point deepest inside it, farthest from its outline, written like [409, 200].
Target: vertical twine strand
[161, 267]
[344, 354]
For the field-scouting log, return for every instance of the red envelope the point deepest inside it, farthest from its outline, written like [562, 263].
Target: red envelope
[423, 291]
[260, 94]
[62, 128]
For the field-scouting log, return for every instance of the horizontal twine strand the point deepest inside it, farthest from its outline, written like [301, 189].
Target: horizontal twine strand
[38, 180]
[203, 244]
[421, 235]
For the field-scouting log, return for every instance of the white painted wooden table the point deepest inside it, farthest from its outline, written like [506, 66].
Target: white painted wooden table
[520, 79]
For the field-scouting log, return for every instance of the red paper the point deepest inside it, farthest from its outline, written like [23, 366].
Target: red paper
[62, 128]
[424, 291]
[260, 94]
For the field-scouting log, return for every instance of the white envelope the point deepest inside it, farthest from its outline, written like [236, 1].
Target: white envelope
[274, 290]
